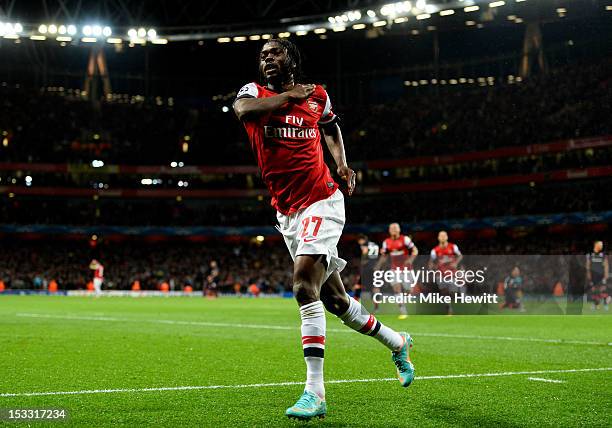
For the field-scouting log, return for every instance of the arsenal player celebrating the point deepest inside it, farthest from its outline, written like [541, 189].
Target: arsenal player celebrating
[446, 257]
[284, 120]
[402, 252]
[446, 254]
[98, 279]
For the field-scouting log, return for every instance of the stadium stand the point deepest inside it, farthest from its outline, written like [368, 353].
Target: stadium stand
[489, 156]
[461, 119]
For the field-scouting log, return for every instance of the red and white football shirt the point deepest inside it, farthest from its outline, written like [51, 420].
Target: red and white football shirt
[99, 271]
[398, 249]
[287, 146]
[445, 256]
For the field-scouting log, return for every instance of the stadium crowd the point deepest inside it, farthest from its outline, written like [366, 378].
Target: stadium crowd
[568, 102]
[202, 266]
[229, 266]
[530, 198]
[492, 167]
[60, 126]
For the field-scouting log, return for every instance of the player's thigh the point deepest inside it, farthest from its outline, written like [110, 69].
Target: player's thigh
[309, 270]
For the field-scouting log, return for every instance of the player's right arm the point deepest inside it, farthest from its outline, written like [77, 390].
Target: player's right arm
[414, 251]
[247, 104]
[458, 257]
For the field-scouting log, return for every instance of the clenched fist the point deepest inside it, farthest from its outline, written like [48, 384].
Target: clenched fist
[348, 175]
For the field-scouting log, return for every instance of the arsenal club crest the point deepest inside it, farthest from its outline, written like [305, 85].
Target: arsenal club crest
[313, 106]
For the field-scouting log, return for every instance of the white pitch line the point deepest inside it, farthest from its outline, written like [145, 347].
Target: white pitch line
[162, 321]
[541, 379]
[277, 384]
[284, 327]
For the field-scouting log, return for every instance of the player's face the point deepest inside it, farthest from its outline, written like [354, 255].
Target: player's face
[598, 247]
[273, 61]
[516, 272]
[442, 238]
[394, 229]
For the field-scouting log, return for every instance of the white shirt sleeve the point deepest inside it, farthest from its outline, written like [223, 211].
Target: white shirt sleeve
[248, 91]
[456, 250]
[408, 242]
[433, 255]
[328, 115]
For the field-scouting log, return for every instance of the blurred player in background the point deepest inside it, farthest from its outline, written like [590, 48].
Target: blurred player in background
[284, 121]
[400, 251]
[98, 278]
[513, 289]
[445, 257]
[597, 271]
[369, 252]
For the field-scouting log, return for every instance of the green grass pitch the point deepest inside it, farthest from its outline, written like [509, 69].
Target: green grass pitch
[72, 344]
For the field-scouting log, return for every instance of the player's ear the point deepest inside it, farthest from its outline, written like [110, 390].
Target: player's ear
[291, 65]
[290, 62]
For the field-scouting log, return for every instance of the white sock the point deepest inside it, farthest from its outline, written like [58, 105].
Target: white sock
[359, 319]
[402, 308]
[313, 343]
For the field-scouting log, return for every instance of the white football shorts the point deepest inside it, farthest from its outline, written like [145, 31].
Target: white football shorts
[316, 230]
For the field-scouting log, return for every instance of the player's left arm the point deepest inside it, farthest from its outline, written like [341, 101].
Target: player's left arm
[335, 144]
[606, 264]
[414, 251]
[458, 257]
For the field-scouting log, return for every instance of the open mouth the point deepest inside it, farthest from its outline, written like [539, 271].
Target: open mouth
[270, 66]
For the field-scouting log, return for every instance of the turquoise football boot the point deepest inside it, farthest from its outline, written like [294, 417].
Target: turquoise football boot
[309, 405]
[401, 359]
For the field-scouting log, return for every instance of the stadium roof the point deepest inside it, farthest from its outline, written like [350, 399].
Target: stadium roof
[239, 20]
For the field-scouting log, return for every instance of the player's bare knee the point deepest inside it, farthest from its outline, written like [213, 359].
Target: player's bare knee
[305, 292]
[307, 278]
[304, 287]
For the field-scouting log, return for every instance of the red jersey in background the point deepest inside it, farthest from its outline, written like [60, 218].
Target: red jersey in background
[398, 249]
[445, 256]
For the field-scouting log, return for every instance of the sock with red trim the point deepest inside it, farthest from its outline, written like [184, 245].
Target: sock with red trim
[313, 343]
[359, 319]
